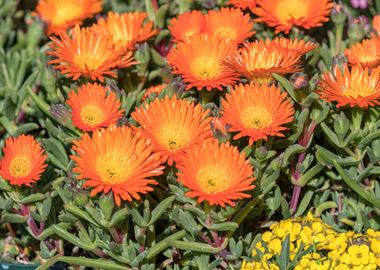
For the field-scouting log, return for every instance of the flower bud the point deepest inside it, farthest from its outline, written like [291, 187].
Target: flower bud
[60, 112]
[338, 14]
[106, 203]
[341, 125]
[299, 80]
[358, 28]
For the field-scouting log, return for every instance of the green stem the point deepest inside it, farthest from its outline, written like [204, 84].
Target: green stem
[83, 261]
[206, 96]
[338, 38]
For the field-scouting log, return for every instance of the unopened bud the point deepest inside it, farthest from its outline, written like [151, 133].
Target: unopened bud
[299, 80]
[106, 203]
[358, 28]
[338, 14]
[60, 112]
[341, 125]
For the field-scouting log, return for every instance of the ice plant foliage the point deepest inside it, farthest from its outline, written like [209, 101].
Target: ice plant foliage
[126, 28]
[258, 60]
[365, 53]
[216, 173]
[60, 15]
[23, 161]
[172, 125]
[257, 111]
[93, 106]
[355, 87]
[199, 61]
[87, 53]
[116, 160]
[285, 14]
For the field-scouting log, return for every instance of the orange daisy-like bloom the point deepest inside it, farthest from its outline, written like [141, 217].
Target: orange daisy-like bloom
[237, 27]
[173, 125]
[63, 14]
[365, 53]
[257, 111]
[88, 54]
[116, 160]
[127, 28]
[92, 108]
[200, 62]
[297, 45]
[181, 29]
[245, 4]
[23, 161]
[356, 88]
[257, 61]
[285, 14]
[218, 174]
[157, 89]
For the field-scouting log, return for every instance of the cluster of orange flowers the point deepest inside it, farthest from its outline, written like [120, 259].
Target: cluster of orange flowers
[209, 54]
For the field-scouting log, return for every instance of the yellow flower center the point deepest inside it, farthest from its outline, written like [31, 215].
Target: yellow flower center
[226, 32]
[113, 168]
[173, 138]
[91, 115]
[356, 91]
[189, 34]
[20, 166]
[287, 10]
[213, 179]
[205, 68]
[65, 12]
[256, 117]
[265, 78]
[87, 61]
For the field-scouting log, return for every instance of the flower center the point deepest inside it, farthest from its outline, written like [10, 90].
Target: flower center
[91, 115]
[87, 61]
[256, 117]
[263, 78]
[226, 32]
[205, 68]
[113, 168]
[173, 138]
[189, 34]
[20, 166]
[288, 10]
[66, 12]
[355, 92]
[213, 179]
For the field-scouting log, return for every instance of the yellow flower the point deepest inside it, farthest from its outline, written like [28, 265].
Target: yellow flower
[267, 236]
[275, 246]
[359, 254]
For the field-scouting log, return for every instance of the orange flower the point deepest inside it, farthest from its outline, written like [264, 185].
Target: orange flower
[376, 24]
[297, 45]
[23, 161]
[88, 54]
[157, 89]
[355, 88]
[127, 28]
[237, 27]
[257, 111]
[181, 29]
[365, 53]
[245, 4]
[92, 108]
[173, 125]
[218, 174]
[199, 61]
[63, 14]
[114, 159]
[285, 14]
[257, 61]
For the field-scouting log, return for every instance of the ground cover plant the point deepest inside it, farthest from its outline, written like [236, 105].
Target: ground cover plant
[190, 134]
